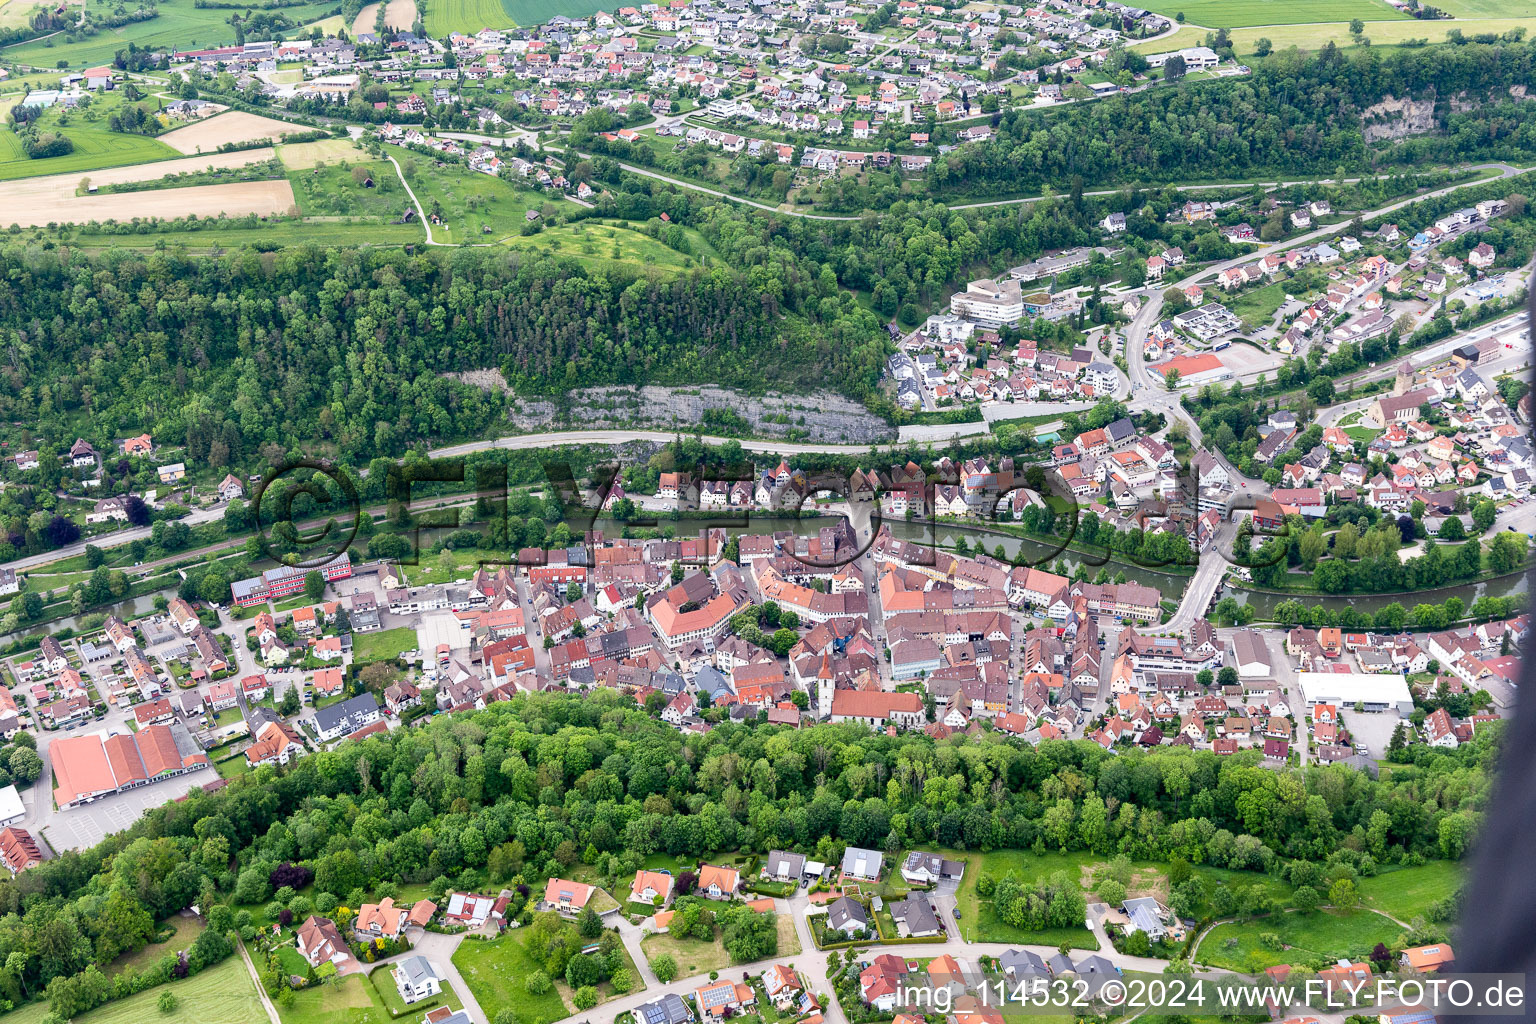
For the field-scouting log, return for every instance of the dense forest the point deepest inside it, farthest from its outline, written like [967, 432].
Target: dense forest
[1296, 114]
[523, 790]
[348, 347]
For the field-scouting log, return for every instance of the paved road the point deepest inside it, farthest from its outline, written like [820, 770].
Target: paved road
[615, 437]
[111, 540]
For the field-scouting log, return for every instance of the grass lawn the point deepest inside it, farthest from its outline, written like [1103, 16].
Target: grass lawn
[384, 644]
[1405, 893]
[383, 982]
[1237, 13]
[789, 939]
[495, 972]
[232, 766]
[692, 956]
[350, 1000]
[186, 931]
[292, 960]
[1320, 935]
[1257, 306]
[1365, 434]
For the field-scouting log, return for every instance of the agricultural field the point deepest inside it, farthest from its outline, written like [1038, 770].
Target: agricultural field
[265, 235]
[37, 201]
[180, 24]
[1380, 33]
[1489, 8]
[533, 12]
[234, 127]
[445, 16]
[399, 15]
[1241, 13]
[298, 156]
[16, 13]
[95, 148]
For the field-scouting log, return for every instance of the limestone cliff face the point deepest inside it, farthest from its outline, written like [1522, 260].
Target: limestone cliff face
[1394, 118]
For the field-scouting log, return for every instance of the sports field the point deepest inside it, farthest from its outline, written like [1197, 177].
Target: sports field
[94, 149]
[1240, 13]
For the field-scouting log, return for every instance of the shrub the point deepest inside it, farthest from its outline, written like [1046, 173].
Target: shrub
[585, 997]
[167, 1002]
[537, 983]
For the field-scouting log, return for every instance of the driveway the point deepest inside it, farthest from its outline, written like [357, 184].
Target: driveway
[438, 949]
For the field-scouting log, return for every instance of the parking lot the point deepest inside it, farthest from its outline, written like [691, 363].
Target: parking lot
[436, 628]
[1374, 729]
[81, 827]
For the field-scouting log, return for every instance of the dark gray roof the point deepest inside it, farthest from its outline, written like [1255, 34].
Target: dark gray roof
[349, 715]
[1021, 963]
[845, 911]
[916, 913]
[669, 1009]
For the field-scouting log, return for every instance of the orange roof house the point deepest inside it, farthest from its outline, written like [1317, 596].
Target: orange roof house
[380, 919]
[421, 913]
[717, 882]
[650, 884]
[1428, 958]
[565, 895]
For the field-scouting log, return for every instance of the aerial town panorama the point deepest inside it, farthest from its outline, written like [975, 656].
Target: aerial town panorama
[780, 511]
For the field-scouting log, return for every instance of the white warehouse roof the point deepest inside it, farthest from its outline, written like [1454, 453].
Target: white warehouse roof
[1379, 689]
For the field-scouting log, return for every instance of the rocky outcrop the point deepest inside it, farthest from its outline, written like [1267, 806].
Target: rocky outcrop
[820, 416]
[1394, 118]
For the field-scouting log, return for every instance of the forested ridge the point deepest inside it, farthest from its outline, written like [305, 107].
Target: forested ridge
[1296, 114]
[347, 346]
[521, 791]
